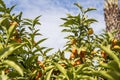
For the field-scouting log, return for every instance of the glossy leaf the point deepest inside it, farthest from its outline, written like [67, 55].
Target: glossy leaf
[49, 74]
[61, 69]
[9, 50]
[14, 65]
[110, 53]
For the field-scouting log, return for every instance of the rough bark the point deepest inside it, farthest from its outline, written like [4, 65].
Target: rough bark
[112, 16]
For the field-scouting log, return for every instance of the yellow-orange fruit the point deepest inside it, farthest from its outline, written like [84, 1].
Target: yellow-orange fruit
[114, 41]
[63, 65]
[14, 23]
[78, 62]
[74, 51]
[7, 70]
[72, 56]
[39, 74]
[90, 31]
[82, 53]
[116, 47]
[103, 54]
[93, 52]
[101, 62]
[19, 40]
[41, 64]
[73, 63]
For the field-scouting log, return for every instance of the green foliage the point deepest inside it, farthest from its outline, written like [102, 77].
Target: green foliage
[19, 51]
[14, 65]
[62, 70]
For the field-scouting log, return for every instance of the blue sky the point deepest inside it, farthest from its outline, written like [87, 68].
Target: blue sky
[52, 11]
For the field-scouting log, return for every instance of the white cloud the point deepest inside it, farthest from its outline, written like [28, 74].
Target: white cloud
[50, 21]
[52, 11]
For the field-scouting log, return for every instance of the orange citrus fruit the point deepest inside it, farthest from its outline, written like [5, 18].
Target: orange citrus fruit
[116, 47]
[72, 56]
[74, 51]
[78, 62]
[14, 23]
[90, 31]
[114, 41]
[39, 74]
[103, 54]
[82, 53]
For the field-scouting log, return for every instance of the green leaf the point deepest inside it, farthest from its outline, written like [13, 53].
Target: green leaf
[32, 58]
[11, 31]
[2, 20]
[110, 35]
[47, 50]
[105, 74]
[48, 68]
[37, 50]
[89, 21]
[40, 41]
[2, 4]
[69, 23]
[61, 69]
[37, 17]
[3, 76]
[115, 75]
[14, 65]
[64, 19]
[85, 77]
[9, 50]
[110, 53]
[28, 20]
[35, 32]
[28, 41]
[2, 10]
[80, 67]
[49, 74]
[112, 65]
[66, 30]
[36, 21]
[89, 9]
[79, 6]
[11, 8]
[20, 15]
[1, 47]
[27, 23]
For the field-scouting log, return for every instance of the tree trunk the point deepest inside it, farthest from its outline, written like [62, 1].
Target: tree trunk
[112, 17]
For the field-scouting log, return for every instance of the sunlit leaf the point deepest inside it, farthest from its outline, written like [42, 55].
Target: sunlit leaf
[40, 41]
[9, 50]
[61, 69]
[49, 74]
[14, 65]
[48, 68]
[78, 5]
[47, 50]
[2, 4]
[110, 53]
[89, 9]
